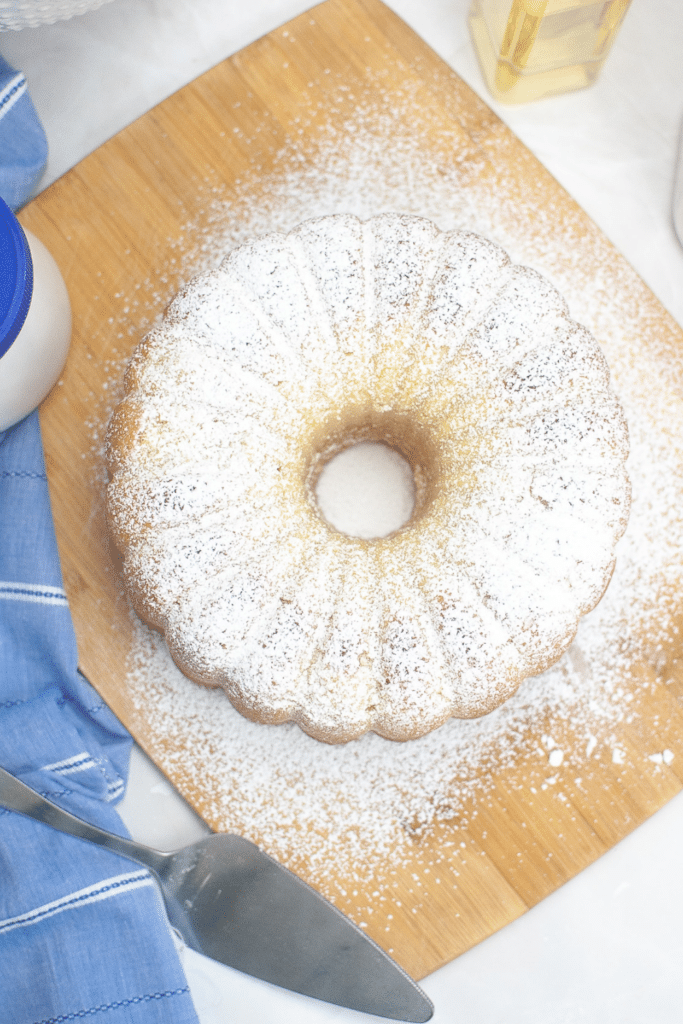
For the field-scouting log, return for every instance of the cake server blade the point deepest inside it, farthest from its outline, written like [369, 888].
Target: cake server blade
[232, 902]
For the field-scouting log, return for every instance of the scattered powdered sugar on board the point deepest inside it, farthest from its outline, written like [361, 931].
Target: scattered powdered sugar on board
[353, 810]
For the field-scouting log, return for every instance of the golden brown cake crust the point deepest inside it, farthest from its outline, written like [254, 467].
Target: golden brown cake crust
[300, 345]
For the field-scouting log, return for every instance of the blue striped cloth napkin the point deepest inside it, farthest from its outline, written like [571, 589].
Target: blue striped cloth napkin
[83, 933]
[23, 146]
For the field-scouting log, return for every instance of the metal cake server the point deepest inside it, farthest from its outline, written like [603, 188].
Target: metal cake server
[235, 904]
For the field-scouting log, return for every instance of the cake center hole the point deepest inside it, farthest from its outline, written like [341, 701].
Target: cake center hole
[366, 491]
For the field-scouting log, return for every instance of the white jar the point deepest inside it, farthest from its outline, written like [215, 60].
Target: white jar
[35, 320]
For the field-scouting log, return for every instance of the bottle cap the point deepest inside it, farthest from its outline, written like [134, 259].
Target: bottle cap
[16, 277]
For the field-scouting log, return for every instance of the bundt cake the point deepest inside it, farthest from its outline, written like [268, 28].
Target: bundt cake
[300, 345]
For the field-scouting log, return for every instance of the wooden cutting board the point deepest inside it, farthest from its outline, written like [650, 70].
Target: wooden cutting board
[128, 224]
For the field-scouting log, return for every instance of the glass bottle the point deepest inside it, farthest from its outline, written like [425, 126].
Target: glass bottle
[533, 48]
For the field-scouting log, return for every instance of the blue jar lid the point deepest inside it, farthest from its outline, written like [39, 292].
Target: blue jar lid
[16, 277]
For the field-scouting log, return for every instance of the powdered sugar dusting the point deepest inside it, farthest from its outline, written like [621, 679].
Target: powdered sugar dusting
[355, 810]
[446, 348]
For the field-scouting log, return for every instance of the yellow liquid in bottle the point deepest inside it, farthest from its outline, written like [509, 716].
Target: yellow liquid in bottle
[533, 48]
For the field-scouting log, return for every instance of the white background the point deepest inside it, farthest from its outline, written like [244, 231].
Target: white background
[608, 947]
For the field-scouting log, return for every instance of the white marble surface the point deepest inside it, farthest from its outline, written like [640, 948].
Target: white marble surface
[606, 948]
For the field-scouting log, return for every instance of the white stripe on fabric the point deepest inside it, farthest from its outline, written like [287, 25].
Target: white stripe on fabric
[92, 894]
[10, 93]
[32, 593]
[114, 789]
[81, 763]
[77, 763]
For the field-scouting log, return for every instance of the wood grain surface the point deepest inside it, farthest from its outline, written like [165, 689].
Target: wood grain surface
[117, 226]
